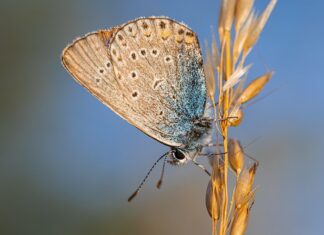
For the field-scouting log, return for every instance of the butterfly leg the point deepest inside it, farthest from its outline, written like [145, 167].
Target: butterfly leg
[212, 145]
[202, 167]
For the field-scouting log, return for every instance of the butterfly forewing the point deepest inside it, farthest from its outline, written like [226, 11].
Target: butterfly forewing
[88, 62]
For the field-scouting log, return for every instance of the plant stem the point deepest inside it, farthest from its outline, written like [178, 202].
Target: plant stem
[228, 71]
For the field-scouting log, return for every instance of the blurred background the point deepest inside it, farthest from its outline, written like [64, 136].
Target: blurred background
[68, 163]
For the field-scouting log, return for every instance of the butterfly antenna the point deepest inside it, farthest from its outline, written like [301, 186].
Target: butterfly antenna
[159, 183]
[145, 178]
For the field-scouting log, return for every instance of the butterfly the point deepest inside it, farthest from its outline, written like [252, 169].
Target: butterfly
[149, 71]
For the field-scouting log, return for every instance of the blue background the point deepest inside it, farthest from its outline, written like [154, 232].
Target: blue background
[68, 163]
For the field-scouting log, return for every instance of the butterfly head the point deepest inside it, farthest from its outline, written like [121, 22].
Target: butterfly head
[181, 156]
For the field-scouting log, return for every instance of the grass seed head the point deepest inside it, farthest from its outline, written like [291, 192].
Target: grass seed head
[226, 72]
[254, 88]
[214, 193]
[226, 17]
[212, 201]
[242, 11]
[235, 117]
[256, 30]
[210, 74]
[242, 35]
[236, 155]
[236, 77]
[218, 172]
[240, 221]
[215, 52]
[243, 191]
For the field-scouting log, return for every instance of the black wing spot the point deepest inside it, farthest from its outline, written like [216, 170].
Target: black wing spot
[181, 31]
[145, 25]
[135, 94]
[154, 52]
[189, 34]
[167, 59]
[143, 52]
[162, 25]
[133, 56]
[134, 75]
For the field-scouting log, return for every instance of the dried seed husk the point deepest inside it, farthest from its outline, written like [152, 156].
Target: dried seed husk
[240, 221]
[244, 185]
[214, 193]
[236, 77]
[242, 35]
[242, 11]
[235, 117]
[255, 31]
[226, 17]
[215, 52]
[210, 74]
[235, 155]
[212, 201]
[218, 172]
[254, 88]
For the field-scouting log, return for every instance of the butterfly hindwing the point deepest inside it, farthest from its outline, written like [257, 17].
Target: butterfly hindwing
[159, 60]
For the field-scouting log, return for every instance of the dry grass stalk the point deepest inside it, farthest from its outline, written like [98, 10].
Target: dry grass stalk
[225, 64]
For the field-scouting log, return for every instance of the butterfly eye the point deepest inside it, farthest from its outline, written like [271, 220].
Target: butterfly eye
[179, 155]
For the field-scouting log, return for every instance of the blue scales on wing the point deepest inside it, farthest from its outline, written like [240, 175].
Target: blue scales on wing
[162, 60]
